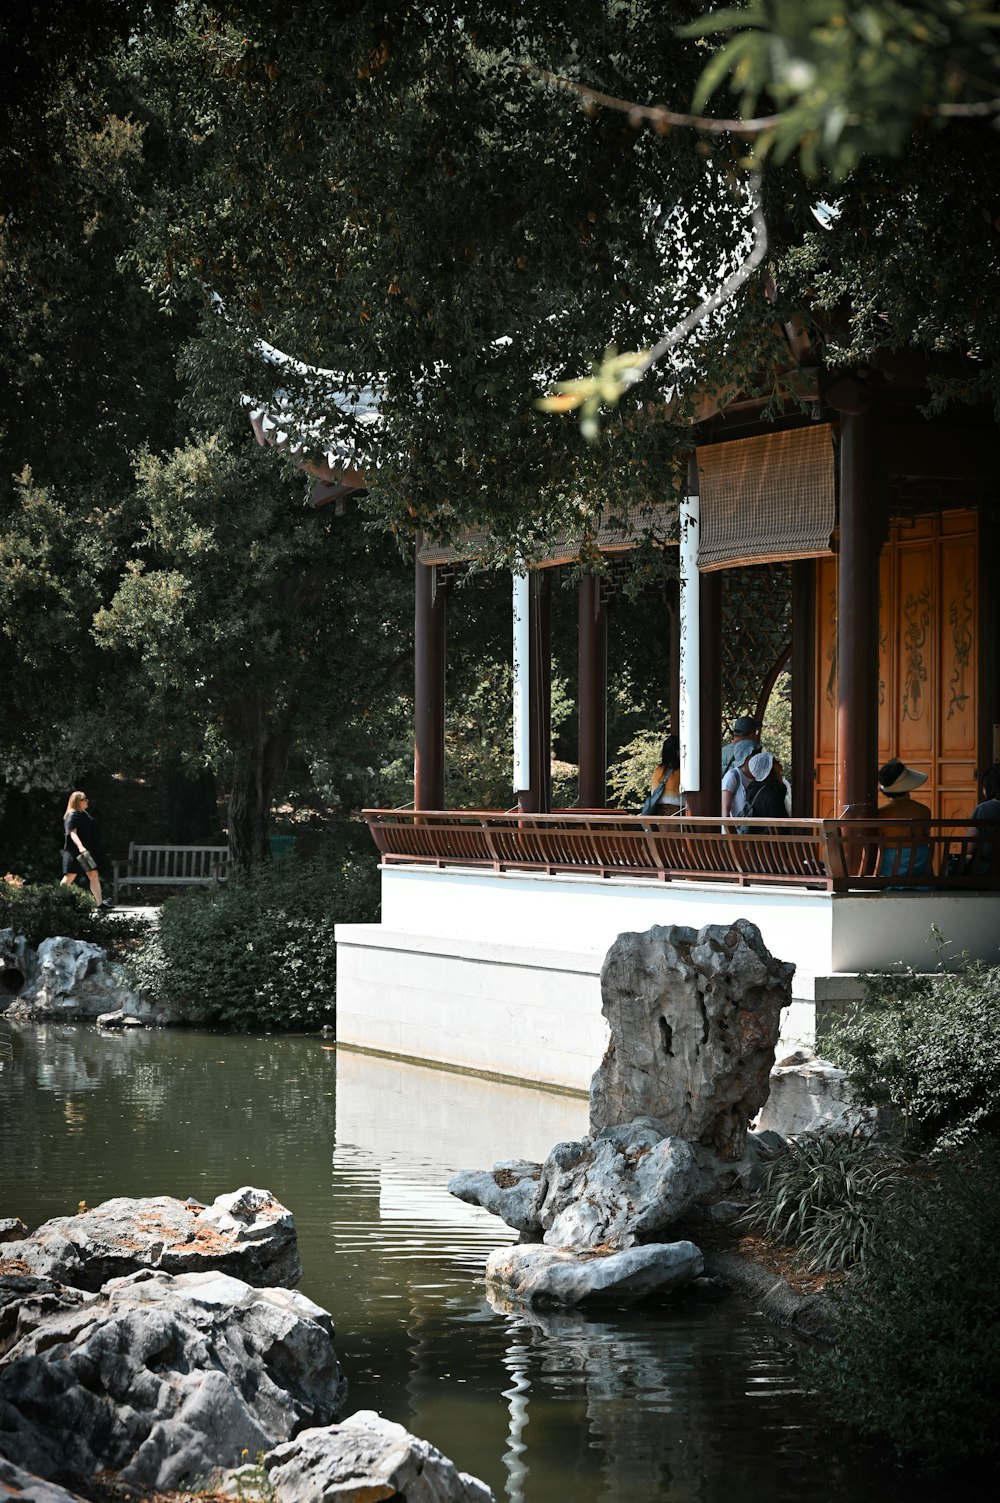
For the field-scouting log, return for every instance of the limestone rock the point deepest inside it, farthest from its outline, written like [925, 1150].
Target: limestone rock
[811, 1095]
[165, 1379]
[248, 1234]
[72, 979]
[367, 1457]
[540, 1275]
[16, 962]
[24, 1488]
[12, 1229]
[608, 1191]
[694, 1019]
[508, 1190]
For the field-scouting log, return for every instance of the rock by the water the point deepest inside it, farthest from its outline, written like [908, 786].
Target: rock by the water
[608, 1191]
[509, 1190]
[12, 1229]
[16, 960]
[72, 979]
[540, 1275]
[364, 1458]
[75, 981]
[694, 1018]
[247, 1233]
[164, 1379]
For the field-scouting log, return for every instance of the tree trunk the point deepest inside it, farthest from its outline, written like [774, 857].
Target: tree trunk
[260, 756]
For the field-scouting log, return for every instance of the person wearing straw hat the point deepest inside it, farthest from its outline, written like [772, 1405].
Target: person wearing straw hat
[901, 853]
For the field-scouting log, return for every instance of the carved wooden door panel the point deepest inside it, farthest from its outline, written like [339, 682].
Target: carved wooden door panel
[928, 661]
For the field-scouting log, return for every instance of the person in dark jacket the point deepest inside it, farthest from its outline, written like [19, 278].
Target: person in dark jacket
[79, 837]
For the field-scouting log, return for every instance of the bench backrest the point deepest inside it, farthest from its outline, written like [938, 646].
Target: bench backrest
[191, 862]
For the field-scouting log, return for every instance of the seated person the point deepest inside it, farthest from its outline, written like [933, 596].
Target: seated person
[765, 797]
[738, 779]
[903, 851]
[986, 813]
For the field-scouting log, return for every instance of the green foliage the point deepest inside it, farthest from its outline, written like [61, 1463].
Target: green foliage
[850, 77]
[260, 949]
[629, 775]
[917, 1353]
[929, 1048]
[822, 1194]
[44, 910]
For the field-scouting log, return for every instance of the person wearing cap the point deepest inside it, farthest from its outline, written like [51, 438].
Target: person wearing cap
[744, 728]
[737, 780]
[902, 839]
[765, 797]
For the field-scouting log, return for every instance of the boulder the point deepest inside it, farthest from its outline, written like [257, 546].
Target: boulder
[809, 1094]
[367, 1457]
[12, 1229]
[16, 962]
[694, 1018]
[248, 1234]
[164, 1379]
[24, 1488]
[72, 979]
[509, 1190]
[537, 1275]
[624, 1185]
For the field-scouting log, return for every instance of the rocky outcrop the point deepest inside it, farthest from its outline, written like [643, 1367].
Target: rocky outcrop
[164, 1379]
[367, 1457]
[247, 1233]
[70, 979]
[544, 1276]
[74, 981]
[694, 1018]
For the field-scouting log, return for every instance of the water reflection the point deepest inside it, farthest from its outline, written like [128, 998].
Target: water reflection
[681, 1401]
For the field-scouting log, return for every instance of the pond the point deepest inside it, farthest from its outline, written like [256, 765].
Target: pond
[683, 1400]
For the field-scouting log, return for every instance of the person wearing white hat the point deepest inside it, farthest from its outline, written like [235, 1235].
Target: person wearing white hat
[902, 852]
[737, 780]
[766, 794]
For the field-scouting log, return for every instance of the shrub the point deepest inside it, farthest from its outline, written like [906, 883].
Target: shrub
[822, 1194]
[929, 1048]
[259, 950]
[43, 911]
[917, 1355]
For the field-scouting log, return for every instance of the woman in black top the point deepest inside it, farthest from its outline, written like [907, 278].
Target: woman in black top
[79, 834]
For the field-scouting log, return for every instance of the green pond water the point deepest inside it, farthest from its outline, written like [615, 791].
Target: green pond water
[679, 1401]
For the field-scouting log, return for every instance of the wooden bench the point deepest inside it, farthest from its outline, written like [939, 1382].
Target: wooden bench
[171, 866]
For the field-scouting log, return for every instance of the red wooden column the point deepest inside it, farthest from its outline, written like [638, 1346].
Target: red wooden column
[593, 694]
[428, 688]
[858, 619]
[540, 690]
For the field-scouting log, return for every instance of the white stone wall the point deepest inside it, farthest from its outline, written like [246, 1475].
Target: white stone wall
[500, 973]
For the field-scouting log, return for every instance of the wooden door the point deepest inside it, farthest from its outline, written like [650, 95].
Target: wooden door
[928, 661]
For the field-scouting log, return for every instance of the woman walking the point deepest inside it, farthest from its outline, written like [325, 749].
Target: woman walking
[79, 834]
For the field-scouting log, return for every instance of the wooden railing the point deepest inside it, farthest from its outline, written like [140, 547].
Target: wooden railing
[833, 855]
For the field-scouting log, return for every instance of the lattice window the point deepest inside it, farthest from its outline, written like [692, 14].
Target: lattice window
[756, 632]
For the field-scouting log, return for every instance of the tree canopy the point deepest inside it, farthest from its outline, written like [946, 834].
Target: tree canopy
[459, 206]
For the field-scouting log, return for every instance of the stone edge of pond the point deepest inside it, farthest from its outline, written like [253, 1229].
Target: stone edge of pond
[806, 1314]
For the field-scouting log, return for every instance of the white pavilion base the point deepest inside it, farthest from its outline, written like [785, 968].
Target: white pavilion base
[500, 972]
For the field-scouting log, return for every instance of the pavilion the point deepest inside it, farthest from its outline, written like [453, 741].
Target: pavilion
[494, 924]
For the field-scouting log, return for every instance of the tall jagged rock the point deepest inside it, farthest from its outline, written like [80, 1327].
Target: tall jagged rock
[694, 1018]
